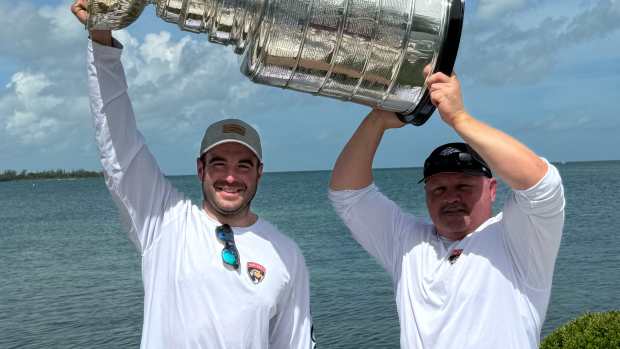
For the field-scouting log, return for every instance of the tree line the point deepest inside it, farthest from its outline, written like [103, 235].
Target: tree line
[12, 175]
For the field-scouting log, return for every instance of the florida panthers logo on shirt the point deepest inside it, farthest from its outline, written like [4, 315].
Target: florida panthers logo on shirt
[256, 272]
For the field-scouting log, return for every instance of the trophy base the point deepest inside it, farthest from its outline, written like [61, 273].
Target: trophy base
[113, 14]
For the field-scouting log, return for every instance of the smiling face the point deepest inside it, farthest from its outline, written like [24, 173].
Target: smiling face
[229, 174]
[459, 203]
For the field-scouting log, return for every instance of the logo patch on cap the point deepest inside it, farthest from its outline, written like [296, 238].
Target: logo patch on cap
[233, 128]
[448, 151]
[256, 272]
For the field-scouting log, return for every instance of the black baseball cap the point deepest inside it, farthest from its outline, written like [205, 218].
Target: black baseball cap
[455, 157]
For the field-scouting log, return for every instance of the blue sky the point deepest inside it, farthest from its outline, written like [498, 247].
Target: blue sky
[546, 72]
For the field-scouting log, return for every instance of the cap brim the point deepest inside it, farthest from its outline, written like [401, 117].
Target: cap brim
[467, 172]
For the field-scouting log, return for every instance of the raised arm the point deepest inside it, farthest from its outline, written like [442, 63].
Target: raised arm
[512, 161]
[353, 169]
[373, 219]
[132, 175]
[533, 215]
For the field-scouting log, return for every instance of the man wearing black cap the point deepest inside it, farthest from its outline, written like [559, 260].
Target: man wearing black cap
[466, 279]
[215, 275]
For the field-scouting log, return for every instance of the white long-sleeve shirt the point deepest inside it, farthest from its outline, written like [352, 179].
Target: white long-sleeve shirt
[489, 290]
[191, 300]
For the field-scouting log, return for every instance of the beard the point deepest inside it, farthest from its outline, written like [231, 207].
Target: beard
[210, 196]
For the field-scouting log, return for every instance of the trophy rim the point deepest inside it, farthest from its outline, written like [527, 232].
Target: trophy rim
[446, 59]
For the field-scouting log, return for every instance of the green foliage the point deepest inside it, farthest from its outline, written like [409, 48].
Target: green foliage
[10, 175]
[589, 331]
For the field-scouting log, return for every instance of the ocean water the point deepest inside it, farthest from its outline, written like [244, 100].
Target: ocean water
[70, 278]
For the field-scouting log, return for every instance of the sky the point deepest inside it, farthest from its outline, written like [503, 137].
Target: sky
[546, 72]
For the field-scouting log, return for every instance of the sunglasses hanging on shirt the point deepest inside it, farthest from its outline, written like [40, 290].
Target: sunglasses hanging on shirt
[230, 255]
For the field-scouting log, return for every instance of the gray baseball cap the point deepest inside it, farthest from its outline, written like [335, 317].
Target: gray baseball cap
[231, 130]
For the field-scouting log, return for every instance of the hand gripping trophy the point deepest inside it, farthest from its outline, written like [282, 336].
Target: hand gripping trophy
[371, 52]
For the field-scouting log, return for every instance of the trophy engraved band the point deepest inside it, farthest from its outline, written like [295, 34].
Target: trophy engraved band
[371, 52]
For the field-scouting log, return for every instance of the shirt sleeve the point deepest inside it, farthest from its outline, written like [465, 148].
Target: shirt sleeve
[533, 221]
[132, 175]
[291, 327]
[375, 222]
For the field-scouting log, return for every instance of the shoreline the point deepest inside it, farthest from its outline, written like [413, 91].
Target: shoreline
[12, 175]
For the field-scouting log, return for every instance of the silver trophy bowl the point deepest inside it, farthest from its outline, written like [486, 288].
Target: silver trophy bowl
[371, 52]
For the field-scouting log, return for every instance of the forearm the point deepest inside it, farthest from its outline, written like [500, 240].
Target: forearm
[353, 169]
[103, 37]
[115, 125]
[512, 161]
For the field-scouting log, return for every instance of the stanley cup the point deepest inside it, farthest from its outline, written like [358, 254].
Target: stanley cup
[371, 52]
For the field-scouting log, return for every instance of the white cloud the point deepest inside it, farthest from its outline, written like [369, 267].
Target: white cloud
[562, 123]
[525, 48]
[38, 34]
[62, 24]
[31, 120]
[28, 85]
[488, 9]
[160, 56]
[176, 84]
[598, 21]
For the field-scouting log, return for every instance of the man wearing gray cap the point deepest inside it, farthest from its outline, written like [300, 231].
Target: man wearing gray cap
[215, 276]
[466, 278]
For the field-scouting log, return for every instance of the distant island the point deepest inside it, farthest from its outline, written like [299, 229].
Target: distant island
[12, 175]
